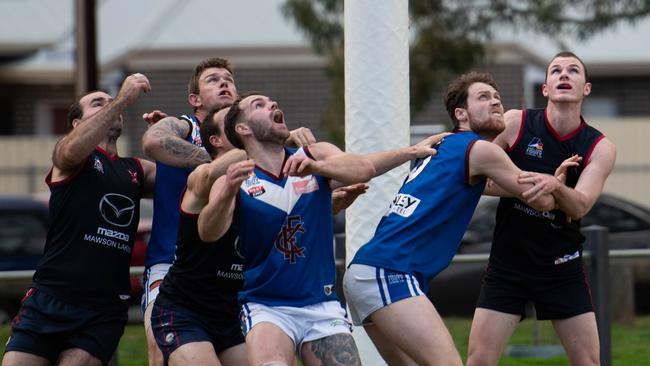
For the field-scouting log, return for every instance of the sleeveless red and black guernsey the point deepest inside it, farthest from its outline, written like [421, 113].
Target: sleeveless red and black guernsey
[525, 238]
[94, 219]
[206, 276]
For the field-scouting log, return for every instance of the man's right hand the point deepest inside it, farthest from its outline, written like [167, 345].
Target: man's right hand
[132, 86]
[237, 173]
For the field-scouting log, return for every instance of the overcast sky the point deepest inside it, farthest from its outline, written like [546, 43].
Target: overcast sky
[124, 24]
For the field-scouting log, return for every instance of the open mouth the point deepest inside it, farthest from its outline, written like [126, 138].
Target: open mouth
[226, 93]
[278, 116]
[564, 86]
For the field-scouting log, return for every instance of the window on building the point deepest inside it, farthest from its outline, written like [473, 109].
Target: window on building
[594, 106]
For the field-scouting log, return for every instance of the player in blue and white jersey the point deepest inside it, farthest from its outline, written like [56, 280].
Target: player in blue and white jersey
[280, 200]
[386, 283]
[176, 145]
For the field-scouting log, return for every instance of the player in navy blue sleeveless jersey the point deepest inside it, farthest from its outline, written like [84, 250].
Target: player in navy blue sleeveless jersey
[76, 310]
[175, 144]
[537, 256]
[387, 280]
[283, 215]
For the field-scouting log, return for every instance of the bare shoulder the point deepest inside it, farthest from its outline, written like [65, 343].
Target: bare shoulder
[512, 119]
[147, 165]
[604, 154]
[513, 116]
[484, 151]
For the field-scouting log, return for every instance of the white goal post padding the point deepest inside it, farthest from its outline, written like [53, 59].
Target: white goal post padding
[377, 113]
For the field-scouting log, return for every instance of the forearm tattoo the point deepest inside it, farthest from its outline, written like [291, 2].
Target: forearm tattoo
[170, 134]
[336, 350]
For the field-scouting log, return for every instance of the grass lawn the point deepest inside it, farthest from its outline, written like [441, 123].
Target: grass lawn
[630, 345]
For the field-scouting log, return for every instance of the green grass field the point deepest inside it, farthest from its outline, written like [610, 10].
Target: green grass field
[630, 345]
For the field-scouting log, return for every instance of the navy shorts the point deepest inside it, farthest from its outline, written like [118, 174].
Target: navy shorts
[555, 296]
[46, 326]
[174, 327]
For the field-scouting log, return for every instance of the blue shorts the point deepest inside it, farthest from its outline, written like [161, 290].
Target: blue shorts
[174, 327]
[46, 326]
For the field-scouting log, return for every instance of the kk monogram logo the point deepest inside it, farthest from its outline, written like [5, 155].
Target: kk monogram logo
[285, 242]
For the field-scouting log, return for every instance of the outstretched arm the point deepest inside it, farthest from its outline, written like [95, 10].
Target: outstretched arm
[489, 160]
[331, 163]
[216, 217]
[75, 147]
[387, 160]
[165, 141]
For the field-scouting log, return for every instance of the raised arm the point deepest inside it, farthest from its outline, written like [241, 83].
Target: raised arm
[488, 160]
[203, 177]
[216, 217]
[165, 141]
[75, 147]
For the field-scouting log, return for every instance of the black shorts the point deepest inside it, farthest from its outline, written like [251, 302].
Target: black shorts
[174, 327]
[555, 295]
[46, 326]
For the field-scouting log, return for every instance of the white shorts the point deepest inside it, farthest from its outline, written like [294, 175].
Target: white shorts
[151, 281]
[368, 289]
[301, 324]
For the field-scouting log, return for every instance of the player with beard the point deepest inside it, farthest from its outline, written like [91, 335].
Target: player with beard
[538, 257]
[387, 280]
[283, 215]
[175, 144]
[195, 318]
[76, 309]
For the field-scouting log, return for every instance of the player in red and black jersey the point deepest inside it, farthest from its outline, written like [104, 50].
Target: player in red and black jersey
[537, 256]
[76, 309]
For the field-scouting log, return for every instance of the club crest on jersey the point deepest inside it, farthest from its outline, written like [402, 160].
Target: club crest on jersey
[306, 185]
[98, 165]
[403, 205]
[134, 176]
[535, 148]
[328, 289]
[285, 242]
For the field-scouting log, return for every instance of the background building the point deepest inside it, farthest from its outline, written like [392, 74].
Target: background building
[165, 39]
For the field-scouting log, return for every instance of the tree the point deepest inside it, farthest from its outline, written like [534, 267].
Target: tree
[450, 36]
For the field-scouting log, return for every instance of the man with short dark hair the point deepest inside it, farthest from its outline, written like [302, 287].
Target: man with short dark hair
[387, 281]
[76, 309]
[537, 255]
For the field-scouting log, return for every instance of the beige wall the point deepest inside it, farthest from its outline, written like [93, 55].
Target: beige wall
[631, 175]
[24, 163]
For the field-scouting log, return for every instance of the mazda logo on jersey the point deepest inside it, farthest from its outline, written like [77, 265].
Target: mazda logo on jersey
[117, 209]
